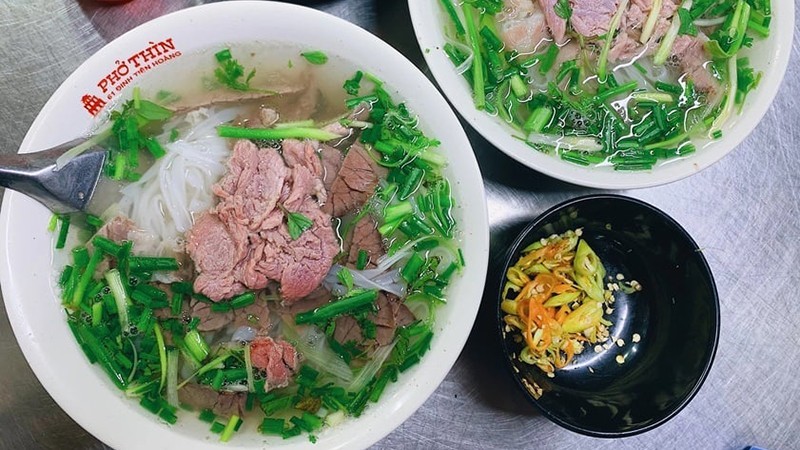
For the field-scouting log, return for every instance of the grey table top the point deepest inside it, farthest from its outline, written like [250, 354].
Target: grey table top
[744, 212]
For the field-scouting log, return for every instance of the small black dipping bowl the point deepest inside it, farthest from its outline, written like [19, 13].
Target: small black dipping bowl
[676, 314]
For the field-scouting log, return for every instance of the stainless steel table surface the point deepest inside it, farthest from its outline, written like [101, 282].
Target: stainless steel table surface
[744, 212]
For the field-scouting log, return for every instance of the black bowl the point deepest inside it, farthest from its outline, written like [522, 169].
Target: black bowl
[676, 315]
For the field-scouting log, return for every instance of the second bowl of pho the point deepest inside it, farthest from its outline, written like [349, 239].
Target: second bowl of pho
[612, 94]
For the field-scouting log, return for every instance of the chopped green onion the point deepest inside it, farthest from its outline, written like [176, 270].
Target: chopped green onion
[350, 302]
[62, 232]
[120, 297]
[272, 426]
[148, 263]
[318, 134]
[479, 95]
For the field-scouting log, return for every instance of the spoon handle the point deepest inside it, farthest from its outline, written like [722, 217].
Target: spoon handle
[62, 190]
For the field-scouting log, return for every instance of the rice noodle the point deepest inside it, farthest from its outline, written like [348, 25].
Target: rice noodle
[177, 186]
[371, 368]
[388, 281]
[382, 277]
[584, 143]
[709, 22]
[464, 66]
[312, 343]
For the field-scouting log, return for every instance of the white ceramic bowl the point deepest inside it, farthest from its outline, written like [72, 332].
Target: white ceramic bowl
[26, 273]
[771, 56]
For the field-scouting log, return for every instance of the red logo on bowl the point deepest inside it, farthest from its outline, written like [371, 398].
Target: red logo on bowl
[127, 69]
[93, 104]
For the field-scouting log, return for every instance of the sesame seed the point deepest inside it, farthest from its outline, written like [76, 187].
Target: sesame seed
[591, 370]
[636, 337]
[598, 348]
[609, 310]
[620, 342]
[621, 359]
[606, 346]
[620, 277]
[551, 375]
[579, 232]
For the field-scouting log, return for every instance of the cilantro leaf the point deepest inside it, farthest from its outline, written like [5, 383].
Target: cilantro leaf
[297, 224]
[368, 328]
[687, 23]
[229, 71]
[315, 57]
[150, 112]
[346, 278]
[562, 9]
[353, 85]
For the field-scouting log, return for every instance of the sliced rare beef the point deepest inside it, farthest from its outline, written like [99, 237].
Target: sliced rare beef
[349, 134]
[215, 255]
[627, 44]
[245, 242]
[209, 320]
[331, 159]
[304, 154]
[277, 358]
[223, 404]
[391, 314]
[121, 228]
[320, 296]
[592, 18]
[556, 24]
[255, 316]
[347, 329]
[365, 237]
[522, 25]
[279, 88]
[689, 54]
[118, 229]
[296, 106]
[355, 182]
[250, 189]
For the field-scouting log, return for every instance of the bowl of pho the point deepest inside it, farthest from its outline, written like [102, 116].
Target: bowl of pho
[283, 255]
[609, 94]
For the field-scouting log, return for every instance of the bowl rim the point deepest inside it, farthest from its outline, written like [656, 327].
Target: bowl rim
[418, 383]
[428, 29]
[711, 346]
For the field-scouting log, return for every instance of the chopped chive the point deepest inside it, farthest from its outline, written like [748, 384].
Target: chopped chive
[451, 11]
[242, 300]
[362, 259]
[352, 301]
[62, 232]
[318, 134]
[147, 263]
[272, 426]
[549, 59]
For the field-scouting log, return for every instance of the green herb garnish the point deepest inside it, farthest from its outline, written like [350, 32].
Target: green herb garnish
[230, 72]
[297, 223]
[562, 9]
[687, 25]
[316, 57]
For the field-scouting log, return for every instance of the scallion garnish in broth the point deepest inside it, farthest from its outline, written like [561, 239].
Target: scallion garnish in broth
[614, 83]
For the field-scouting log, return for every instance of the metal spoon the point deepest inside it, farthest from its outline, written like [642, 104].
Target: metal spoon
[63, 190]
